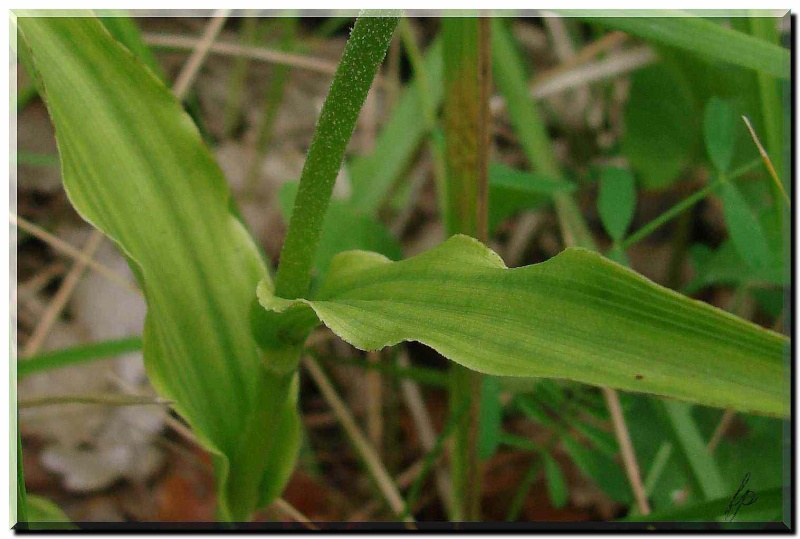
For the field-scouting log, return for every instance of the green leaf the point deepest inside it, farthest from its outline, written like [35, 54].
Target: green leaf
[126, 31]
[490, 418]
[556, 487]
[511, 190]
[661, 133]
[577, 316]
[744, 228]
[682, 30]
[344, 228]
[77, 354]
[726, 266]
[719, 129]
[45, 515]
[616, 201]
[139, 172]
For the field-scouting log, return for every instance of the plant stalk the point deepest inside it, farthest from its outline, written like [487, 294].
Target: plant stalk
[467, 76]
[362, 56]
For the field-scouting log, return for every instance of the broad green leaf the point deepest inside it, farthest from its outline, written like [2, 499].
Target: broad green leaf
[45, 515]
[683, 30]
[661, 132]
[556, 487]
[374, 175]
[134, 167]
[577, 316]
[616, 201]
[744, 228]
[719, 129]
[345, 228]
[511, 190]
[490, 418]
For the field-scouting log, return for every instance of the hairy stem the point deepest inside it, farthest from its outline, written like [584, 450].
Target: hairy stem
[362, 56]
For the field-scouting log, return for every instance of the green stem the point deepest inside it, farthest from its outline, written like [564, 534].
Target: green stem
[466, 75]
[684, 205]
[362, 56]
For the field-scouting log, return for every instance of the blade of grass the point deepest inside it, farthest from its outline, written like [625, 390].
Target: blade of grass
[685, 31]
[692, 447]
[768, 162]
[272, 100]
[374, 175]
[238, 77]
[77, 355]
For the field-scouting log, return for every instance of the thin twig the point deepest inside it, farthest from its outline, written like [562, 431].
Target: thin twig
[425, 431]
[282, 506]
[62, 296]
[719, 432]
[40, 280]
[626, 448]
[254, 53]
[67, 249]
[767, 161]
[192, 67]
[360, 442]
[105, 399]
[606, 68]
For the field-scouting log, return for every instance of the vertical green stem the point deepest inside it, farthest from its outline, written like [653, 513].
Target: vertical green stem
[466, 125]
[362, 56]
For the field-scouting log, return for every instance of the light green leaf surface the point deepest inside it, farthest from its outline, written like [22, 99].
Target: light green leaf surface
[134, 166]
[719, 130]
[577, 316]
[685, 31]
[744, 228]
[616, 201]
